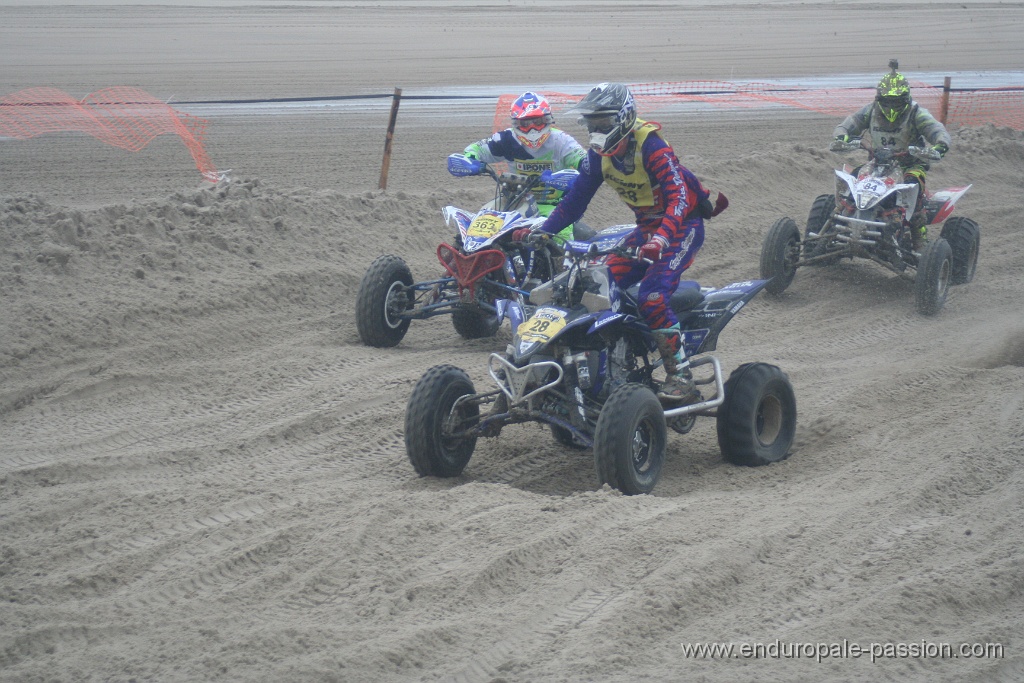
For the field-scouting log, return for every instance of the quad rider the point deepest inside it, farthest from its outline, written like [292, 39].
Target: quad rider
[670, 205]
[896, 121]
[532, 145]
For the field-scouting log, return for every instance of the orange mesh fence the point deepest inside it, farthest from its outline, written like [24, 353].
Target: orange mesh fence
[125, 117]
[999, 106]
[969, 107]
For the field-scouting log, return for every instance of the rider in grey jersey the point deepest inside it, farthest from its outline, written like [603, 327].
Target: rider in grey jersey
[894, 120]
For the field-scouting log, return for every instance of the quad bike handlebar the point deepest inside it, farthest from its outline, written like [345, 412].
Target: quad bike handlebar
[593, 252]
[462, 165]
[853, 144]
[924, 153]
[850, 145]
[511, 188]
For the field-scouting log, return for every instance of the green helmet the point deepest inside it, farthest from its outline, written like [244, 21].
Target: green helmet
[893, 94]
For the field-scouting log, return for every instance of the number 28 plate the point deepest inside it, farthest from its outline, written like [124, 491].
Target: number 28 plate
[544, 324]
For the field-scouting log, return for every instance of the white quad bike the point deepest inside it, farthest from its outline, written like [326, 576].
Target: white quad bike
[868, 217]
[482, 267]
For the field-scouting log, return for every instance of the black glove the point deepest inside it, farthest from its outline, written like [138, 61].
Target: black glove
[705, 209]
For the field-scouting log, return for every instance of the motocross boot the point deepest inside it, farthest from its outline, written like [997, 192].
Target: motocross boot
[918, 220]
[918, 230]
[678, 387]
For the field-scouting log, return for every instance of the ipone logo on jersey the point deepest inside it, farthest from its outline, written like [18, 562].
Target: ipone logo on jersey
[533, 166]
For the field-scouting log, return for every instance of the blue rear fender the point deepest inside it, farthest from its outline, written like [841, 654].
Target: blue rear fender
[737, 291]
[702, 324]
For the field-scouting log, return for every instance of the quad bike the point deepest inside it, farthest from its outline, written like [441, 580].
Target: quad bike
[484, 266]
[868, 217]
[581, 362]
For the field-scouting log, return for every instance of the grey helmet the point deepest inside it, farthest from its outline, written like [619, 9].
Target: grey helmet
[609, 113]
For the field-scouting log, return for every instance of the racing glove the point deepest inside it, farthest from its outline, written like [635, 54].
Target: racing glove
[652, 248]
[839, 142]
[721, 204]
[941, 148]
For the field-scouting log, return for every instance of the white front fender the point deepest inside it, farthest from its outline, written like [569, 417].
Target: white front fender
[455, 217]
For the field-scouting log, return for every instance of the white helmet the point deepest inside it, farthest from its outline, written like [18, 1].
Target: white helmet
[531, 120]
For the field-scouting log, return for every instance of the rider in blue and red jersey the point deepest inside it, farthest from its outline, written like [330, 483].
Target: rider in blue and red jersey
[670, 206]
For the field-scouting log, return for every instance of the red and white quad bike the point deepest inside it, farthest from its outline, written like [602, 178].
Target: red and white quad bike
[868, 217]
[484, 267]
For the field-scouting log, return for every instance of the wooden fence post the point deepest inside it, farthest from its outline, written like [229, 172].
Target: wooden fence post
[944, 103]
[387, 141]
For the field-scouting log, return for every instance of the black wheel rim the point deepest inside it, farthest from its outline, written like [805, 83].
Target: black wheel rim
[792, 256]
[642, 446]
[457, 415]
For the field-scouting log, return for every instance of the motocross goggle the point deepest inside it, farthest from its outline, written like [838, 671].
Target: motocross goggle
[601, 123]
[531, 124]
[893, 105]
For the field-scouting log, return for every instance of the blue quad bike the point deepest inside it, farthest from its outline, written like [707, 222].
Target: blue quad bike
[582, 361]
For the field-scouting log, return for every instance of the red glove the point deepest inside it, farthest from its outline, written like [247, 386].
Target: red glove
[721, 204]
[521, 234]
[651, 250]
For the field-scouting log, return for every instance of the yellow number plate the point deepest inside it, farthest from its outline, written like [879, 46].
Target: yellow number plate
[544, 324]
[485, 226]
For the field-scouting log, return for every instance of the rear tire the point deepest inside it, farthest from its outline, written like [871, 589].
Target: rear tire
[821, 213]
[757, 421]
[429, 418]
[474, 323]
[383, 295]
[934, 272]
[964, 237]
[779, 254]
[630, 439]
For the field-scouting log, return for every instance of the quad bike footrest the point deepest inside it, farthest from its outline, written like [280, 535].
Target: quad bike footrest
[717, 400]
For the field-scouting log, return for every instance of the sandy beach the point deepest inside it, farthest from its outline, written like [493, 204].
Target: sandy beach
[203, 473]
